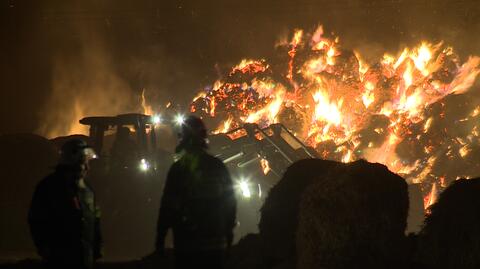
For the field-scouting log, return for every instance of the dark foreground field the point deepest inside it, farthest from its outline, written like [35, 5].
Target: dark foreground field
[321, 214]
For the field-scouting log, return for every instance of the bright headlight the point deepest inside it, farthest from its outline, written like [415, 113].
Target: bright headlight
[156, 119]
[244, 188]
[144, 165]
[179, 119]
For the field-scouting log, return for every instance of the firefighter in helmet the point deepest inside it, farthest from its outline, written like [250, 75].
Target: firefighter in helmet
[198, 203]
[63, 216]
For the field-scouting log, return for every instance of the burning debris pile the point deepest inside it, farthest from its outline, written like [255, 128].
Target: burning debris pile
[416, 112]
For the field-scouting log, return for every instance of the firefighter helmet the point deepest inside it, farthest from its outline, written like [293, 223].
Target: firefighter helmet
[76, 151]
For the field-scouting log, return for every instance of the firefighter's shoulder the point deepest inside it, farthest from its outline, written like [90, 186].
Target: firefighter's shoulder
[46, 182]
[52, 183]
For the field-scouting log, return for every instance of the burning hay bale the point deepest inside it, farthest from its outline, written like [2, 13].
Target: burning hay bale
[450, 237]
[279, 217]
[399, 110]
[354, 217]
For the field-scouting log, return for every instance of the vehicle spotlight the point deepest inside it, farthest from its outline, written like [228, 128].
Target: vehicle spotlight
[244, 188]
[179, 119]
[144, 165]
[90, 154]
[156, 119]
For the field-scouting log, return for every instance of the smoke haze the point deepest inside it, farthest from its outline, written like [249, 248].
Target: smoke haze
[84, 84]
[65, 59]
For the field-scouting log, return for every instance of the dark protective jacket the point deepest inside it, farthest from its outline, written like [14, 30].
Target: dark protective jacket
[65, 221]
[198, 203]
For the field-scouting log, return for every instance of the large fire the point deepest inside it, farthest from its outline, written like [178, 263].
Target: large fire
[410, 111]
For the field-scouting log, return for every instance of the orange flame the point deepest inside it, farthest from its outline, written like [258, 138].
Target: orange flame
[265, 166]
[297, 37]
[336, 99]
[147, 109]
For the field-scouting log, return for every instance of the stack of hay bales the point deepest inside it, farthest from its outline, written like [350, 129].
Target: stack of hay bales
[450, 237]
[354, 218]
[325, 214]
[279, 213]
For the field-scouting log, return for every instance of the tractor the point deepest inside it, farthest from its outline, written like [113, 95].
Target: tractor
[125, 141]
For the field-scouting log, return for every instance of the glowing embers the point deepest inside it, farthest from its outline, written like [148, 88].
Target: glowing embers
[297, 38]
[249, 66]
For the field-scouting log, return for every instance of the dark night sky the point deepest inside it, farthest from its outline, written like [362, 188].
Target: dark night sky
[171, 47]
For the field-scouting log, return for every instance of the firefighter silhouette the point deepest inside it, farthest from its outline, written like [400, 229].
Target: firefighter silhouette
[198, 203]
[64, 219]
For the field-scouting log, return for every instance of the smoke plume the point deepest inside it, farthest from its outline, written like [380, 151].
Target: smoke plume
[85, 84]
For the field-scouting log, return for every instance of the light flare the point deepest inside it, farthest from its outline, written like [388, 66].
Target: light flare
[244, 188]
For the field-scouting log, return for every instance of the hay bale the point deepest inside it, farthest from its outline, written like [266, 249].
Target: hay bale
[279, 213]
[354, 218]
[450, 236]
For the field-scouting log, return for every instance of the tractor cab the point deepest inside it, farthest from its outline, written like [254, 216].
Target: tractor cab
[124, 141]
